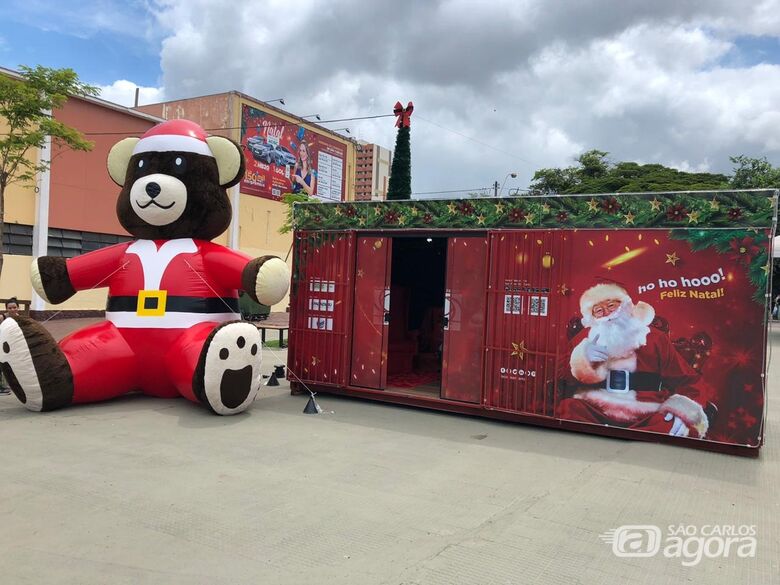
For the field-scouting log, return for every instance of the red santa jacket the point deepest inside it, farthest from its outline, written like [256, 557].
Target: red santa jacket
[659, 367]
[163, 284]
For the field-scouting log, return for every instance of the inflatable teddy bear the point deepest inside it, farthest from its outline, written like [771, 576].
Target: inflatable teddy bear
[171, 326]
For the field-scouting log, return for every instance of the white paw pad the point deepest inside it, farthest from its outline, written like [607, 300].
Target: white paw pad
[15, 352]
[231, 376]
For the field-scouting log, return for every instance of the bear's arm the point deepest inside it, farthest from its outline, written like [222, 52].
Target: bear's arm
[265, 279]
[223, 265]
[57, 279]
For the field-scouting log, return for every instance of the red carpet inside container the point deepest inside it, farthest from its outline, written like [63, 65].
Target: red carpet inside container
[412, 379]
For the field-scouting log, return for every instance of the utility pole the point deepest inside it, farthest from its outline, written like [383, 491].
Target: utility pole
[495, 189]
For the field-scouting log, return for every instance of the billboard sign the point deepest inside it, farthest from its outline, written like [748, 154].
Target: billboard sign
[285, 157]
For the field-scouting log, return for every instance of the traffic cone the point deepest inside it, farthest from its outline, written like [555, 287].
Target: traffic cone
[272, 381]
[279, 371]
[312, 407]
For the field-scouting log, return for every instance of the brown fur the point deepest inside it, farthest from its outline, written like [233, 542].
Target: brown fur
[55, 280]
[208, 210]
[51, 366]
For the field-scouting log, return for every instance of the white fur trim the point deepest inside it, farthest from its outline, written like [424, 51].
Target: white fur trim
[154, 261]
[643, 312]
[273, 281]
[172, 143]
[171, 319]
[37, 283]
[689, 411]
[21, 362]
[601, 292]
[238, 358]
[623, 407]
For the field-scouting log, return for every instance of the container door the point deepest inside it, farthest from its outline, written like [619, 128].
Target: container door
[464, 319]
[320, 298]
[371, 312]
[528, 296]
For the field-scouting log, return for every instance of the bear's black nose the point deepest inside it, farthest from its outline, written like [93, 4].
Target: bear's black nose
[153, 190]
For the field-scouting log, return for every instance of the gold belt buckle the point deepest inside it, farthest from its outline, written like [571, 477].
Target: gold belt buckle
[151, 303]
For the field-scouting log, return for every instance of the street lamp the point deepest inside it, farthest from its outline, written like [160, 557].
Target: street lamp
[280, 100]
[513, 175]
[312, 116]
[342, 129]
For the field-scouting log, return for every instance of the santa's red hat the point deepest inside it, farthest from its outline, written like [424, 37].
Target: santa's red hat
[176, 136]
[602, 292]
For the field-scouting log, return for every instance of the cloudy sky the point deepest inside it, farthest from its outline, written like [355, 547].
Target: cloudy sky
[499, 86]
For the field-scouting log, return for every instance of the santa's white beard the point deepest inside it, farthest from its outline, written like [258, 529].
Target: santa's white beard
[620, 332]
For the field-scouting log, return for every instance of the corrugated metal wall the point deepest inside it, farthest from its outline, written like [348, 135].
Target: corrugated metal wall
[320, 306]
[528, 298]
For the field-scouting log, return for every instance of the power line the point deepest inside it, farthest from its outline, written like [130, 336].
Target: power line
[272, 125]
[452, 191]
[485, 144]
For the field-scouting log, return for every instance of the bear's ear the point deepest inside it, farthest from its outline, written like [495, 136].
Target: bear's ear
[230, 160]
[119, 158]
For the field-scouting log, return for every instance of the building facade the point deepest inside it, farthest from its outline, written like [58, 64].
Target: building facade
[71, 209]
[372, 172]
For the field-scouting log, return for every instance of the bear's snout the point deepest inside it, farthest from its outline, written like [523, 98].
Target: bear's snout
[153, 190]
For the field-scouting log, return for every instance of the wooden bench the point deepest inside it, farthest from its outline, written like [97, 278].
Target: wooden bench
[275, 322]
[24, 306]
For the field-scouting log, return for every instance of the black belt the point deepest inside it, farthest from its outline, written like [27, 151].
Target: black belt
[639, 381]
[173, 304]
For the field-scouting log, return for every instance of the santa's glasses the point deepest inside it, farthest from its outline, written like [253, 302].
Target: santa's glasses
[605, 308]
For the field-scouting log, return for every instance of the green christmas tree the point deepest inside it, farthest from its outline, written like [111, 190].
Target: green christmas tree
[400, 186]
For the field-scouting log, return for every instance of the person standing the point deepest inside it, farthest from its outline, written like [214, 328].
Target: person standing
[11, 310]
[303, 175]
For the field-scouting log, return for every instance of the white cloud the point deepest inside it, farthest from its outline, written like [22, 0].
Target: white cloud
[538, 81]
[123, 92]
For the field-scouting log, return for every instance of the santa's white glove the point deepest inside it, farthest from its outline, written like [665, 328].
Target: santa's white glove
[595, 352]
[679, 428]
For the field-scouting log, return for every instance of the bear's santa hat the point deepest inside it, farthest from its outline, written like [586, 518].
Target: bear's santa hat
[174, 136]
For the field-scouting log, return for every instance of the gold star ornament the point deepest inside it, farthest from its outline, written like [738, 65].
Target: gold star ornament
[655, 205]
[499, 208]
[629, 217]
[693, 217]
[481, 219]
[593, 205]
[452, 208]
[672, 259]
[519, 350]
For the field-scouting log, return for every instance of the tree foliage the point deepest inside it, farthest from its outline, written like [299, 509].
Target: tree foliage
[595, 174]
[26, 120]
[754, 173]
[400, 185]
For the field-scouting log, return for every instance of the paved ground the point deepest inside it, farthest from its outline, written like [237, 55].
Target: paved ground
[141, 490]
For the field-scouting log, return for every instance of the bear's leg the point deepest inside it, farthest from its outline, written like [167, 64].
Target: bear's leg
[218, 365]
[34, 366]
[104, 365]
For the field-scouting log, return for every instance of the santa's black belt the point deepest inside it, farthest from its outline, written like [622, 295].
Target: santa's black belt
[158, 305]
[639, 381]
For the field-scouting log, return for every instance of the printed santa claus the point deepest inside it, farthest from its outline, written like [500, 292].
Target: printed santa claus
[625, 373]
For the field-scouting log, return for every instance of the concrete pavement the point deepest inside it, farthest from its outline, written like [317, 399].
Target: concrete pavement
[142, 490]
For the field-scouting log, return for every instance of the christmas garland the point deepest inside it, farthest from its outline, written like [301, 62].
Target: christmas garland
[720, 209]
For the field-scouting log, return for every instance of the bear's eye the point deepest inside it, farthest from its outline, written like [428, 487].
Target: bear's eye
[140, 163]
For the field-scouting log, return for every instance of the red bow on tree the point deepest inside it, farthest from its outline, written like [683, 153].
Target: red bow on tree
[403, 115]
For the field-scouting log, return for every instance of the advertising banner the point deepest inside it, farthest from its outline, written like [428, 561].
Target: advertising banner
[667, 332]
[284, 157]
